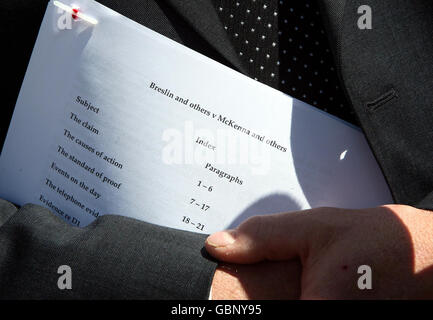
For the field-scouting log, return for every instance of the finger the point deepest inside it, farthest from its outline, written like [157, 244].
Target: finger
[271, 237]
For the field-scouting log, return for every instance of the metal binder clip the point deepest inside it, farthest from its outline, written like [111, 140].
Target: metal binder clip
[75, 12]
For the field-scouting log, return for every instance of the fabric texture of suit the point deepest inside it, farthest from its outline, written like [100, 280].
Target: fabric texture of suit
[112, 258]
[387, 75]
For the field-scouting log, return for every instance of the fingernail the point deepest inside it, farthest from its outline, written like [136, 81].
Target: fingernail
[222, 238]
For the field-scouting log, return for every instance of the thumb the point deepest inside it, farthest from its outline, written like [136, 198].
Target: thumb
[271, 237]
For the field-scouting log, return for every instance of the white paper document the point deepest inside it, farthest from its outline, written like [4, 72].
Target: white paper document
[114, 118]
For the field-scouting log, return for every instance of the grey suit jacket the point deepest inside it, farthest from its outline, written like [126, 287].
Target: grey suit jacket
[388, 77]
[113, 258]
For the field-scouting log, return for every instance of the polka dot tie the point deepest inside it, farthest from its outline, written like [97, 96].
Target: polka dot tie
[283, 44]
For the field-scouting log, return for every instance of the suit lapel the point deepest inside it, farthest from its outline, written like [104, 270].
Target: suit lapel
[202, 17]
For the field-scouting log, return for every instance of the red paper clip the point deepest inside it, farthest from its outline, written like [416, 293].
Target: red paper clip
[76, 13]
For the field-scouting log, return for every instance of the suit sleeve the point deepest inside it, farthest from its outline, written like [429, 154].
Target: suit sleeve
[113, 258]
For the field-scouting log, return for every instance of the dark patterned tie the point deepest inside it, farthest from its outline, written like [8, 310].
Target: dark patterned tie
[284, 45]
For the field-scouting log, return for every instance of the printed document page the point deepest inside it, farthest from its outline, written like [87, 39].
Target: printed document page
[114, 118]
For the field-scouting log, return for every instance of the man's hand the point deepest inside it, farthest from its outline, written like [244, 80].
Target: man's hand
[395, 241]
[260, 281]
